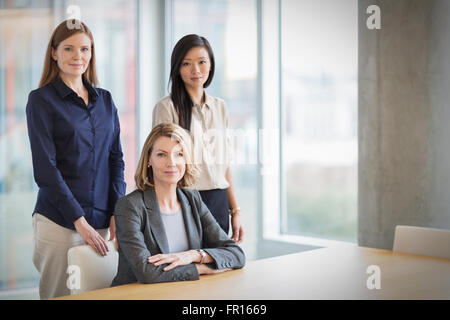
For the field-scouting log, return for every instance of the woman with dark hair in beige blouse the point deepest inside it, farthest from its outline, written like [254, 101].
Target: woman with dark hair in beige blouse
[205, 117]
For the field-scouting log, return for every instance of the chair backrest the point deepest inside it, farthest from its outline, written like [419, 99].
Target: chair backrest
[91, 271]
[424, 241]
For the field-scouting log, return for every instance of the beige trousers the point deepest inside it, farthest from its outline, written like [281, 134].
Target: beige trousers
[51, 243]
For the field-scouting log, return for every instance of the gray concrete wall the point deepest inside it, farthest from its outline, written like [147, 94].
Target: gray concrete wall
[404, 119]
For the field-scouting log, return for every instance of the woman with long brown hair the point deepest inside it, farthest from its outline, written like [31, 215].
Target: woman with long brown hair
[74, 134]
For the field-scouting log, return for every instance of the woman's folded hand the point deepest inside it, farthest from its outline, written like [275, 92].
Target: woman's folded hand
[204, 269]
[174, 259]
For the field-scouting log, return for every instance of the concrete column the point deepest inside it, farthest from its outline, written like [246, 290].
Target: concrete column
[404, 117]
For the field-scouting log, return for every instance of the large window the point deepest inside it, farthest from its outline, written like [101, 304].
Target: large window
[306, 91]
[25, 28]
[319, 118]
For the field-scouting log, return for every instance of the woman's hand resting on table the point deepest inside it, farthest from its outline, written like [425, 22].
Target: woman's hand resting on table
[182, 259]
[204, 269]
[174, 259]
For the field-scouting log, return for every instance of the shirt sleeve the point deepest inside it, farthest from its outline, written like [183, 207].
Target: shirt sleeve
[43, 152]
[161, 114]
[228, 134]
[117, 165]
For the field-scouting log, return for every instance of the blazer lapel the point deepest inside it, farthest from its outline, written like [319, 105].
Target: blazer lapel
[156, 223]
[189, 222]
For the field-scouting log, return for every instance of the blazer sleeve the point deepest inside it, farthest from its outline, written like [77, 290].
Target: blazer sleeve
[224, 250]
[129, 226]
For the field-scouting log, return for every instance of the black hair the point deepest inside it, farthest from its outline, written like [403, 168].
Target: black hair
[180, 97]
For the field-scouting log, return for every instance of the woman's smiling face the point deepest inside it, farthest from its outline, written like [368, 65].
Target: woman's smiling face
[195, 67]
[167, 161]
[73, 55]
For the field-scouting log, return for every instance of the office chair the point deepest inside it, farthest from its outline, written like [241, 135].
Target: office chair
[424, 241]
[90, 271]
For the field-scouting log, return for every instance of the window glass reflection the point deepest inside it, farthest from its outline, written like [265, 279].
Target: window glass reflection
[319, 94]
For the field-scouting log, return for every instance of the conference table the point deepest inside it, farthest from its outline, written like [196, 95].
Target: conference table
[348, 272]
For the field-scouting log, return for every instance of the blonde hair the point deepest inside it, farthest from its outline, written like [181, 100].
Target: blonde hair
[63, 31]
[144, 174]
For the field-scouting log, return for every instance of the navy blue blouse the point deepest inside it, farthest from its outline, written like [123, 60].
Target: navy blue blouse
[77, 156]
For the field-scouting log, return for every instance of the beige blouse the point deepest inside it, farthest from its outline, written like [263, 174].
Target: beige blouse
[209, 136]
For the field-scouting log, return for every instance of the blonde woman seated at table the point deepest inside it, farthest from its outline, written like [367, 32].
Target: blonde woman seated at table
[164, 231]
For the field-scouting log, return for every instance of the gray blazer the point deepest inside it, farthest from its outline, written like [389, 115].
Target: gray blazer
[140, 234]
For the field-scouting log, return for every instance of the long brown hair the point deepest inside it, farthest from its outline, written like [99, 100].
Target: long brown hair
[63, 31]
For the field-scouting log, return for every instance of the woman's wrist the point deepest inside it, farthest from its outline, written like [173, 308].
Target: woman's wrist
[80, 222]
[200, 268]
[234, 211]
[196, 256]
